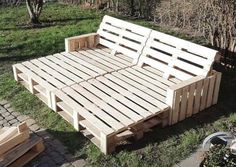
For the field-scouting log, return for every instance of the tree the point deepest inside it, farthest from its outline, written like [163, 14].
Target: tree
[34, 8]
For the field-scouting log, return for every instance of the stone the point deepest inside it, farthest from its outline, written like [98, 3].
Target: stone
[5, 114]
[3, 102]
[8, 105]
[10, 109]
[34, 127]
[2, 110]
[13, 121]
[16, 114]
[30, 122]
[6, 125]
[79, 163]
[9, 117]
[66, 165]
[22, 118]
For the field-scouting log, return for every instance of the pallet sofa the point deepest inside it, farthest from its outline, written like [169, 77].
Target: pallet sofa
[123, 80]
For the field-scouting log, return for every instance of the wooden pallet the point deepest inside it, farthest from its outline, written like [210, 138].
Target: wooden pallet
[12, 136]
[109, 108]
[45, 74]
[23, 153]
[133, 81]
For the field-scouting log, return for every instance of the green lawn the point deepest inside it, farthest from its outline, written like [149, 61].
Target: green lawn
[161, 147]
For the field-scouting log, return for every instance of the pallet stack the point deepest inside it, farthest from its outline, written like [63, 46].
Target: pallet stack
[17, 147]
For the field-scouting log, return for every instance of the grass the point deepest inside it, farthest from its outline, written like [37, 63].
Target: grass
[161, 147]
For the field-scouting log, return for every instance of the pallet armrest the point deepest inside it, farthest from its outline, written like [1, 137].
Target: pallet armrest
[82, 41]
[192, 96]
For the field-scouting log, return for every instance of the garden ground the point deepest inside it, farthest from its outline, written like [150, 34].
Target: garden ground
[160, 147]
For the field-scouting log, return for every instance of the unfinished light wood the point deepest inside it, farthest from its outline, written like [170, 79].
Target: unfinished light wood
[98, 86]
[192, 96]
[82, 41]
[118, 35]
[177, 57]
[104, 114]
[13, 136]
[23, 153]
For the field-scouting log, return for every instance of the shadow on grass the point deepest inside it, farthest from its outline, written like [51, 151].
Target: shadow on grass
[45, 23]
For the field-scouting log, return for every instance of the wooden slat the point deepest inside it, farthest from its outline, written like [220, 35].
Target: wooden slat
[114, 60]
[99, 59]
[109, 99]
[34, 76]
[83, 112]
[183, 107]
[94, 109]
[190, 100]
[63, 71]
[103, 105]
[197, 99]
[52, 72]
[43, 74]
[139, 105]
[204, 94]
[210, 91]
[116, 57]
[85, 70]
[92, 62]
[217, 87]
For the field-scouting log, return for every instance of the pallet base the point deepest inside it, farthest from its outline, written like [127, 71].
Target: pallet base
[23, 153]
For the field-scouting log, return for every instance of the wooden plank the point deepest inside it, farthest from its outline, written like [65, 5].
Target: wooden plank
[135, 103]
[38, 79]
[197, 99]
[146, 72]
[210, 91]
[116, 57]
[98, 59]
[11, 132]
[158, 89]
[175, 107]
[110, 59]
[180, 43]
[183, 106]
[63, 71]
[43, 74]
[10, 158]
[94, 109]
[217, 88]
[190, 100]
[140, 90]
[35, 151]
[83, 112]
[52, 72]
[103, 105]
[92, 129]
[92, 61]
[109, 99]
[86, 72]
[13, 141]
[204, 94]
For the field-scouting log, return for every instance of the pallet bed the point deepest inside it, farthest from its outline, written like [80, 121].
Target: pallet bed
[123, 80]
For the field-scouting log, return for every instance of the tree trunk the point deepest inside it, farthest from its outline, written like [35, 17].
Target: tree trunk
[34, 8]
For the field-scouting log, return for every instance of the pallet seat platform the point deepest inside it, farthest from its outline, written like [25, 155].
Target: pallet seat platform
[56, 71]
[123, 80]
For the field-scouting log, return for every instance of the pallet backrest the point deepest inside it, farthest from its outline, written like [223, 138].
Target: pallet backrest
[123, 37]
[177, 57]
